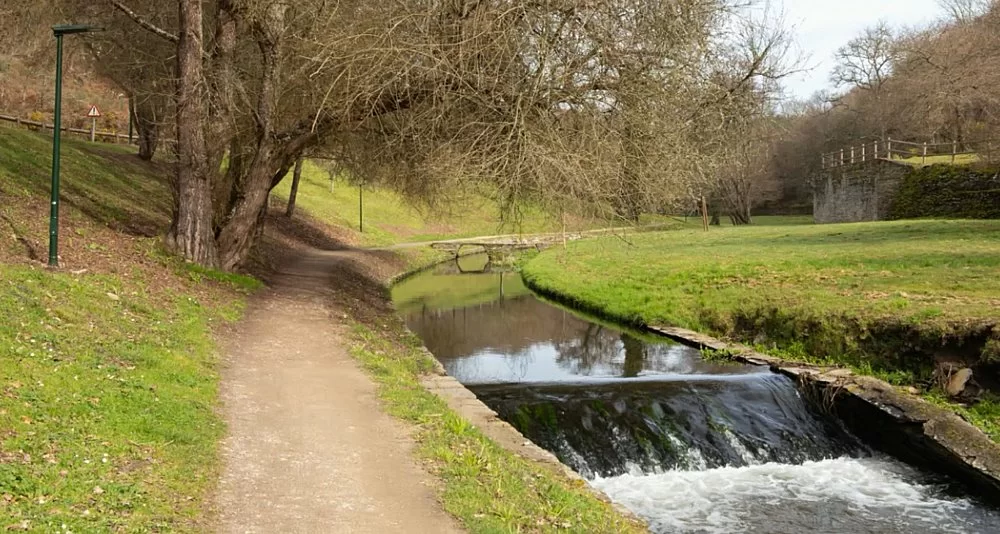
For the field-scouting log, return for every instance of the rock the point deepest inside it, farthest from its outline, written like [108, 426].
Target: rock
[912, 390]
[957, 382]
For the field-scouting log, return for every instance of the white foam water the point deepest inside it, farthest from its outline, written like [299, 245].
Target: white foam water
[845, 495]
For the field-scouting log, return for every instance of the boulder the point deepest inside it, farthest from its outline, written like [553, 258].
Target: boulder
[958, 381]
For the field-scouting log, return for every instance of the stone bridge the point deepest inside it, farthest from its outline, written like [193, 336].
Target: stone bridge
[857, 192]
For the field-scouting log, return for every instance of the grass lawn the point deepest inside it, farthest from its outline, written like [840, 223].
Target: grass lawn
[959, 159]
[108, 373]
[881, 297]
[389, 219]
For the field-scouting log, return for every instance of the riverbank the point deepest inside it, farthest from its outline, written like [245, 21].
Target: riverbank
[898, 300]
[488, 487]
[110, 417]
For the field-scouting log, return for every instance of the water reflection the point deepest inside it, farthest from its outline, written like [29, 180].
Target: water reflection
[487, 328]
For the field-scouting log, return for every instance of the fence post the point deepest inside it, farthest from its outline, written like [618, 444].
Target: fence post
[841, 157]
[863, 152]
[954, 150]
[876, 149]
[888, 149]
[923, 157]
[852, 155]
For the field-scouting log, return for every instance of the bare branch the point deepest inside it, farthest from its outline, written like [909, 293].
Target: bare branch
[143, 22]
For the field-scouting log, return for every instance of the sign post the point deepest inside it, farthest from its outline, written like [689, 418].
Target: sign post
[59, 31]
[94, 114]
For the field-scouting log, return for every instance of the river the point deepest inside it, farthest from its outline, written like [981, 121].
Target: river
[689, 444]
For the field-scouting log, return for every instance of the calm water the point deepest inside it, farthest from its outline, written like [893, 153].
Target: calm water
[690, 445]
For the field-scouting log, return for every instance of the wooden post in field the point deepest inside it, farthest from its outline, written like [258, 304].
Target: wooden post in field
[562, 218]
[852, 155]
[888, 148]
[876, 149]
[954, 150]
[863, 152]
[923, 158]
[704, 213]
[361, 207]
[841, 156]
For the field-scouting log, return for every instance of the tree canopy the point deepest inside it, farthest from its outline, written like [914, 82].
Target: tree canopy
[610, 106]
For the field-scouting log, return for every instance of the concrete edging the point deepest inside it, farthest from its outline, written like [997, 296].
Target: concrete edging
[897, 422]
[465, 403]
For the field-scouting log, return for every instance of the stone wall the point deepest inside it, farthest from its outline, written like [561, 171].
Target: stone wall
[858, 192]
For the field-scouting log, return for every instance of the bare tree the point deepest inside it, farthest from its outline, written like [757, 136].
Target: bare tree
[865, 63]
[607, 106]
[294, 191]
[966, 10]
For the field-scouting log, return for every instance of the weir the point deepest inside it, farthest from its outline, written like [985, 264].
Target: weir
[690, 445]
[696, 423]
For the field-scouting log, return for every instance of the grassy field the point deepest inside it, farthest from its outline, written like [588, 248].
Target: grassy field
[389, 219]
[108, 373]
[959, 159]
[884, 298]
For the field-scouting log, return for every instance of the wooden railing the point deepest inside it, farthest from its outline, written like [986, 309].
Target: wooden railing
[110, 137]
[910, 152]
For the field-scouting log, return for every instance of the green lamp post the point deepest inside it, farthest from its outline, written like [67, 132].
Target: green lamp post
[59, 31]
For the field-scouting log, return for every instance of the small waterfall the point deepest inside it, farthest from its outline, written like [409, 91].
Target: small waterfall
[696, 423]
[692, 446]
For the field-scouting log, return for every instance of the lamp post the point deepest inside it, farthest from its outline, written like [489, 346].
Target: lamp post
[59, 31]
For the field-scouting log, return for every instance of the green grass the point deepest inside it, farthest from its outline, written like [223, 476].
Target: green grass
[108, 377]
[389, 219]
[101, 181]
[959, 159]
[109, 398]
[880, 297]
[694, 222]
[488, 488]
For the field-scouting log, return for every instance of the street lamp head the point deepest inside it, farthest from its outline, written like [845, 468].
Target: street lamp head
[66, 29]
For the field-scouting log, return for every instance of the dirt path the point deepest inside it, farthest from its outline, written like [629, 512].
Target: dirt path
[309, 449]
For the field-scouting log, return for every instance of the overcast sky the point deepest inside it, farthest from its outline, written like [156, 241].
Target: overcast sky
[822, 26]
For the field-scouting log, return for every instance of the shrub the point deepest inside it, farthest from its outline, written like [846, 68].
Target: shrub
[952, 191]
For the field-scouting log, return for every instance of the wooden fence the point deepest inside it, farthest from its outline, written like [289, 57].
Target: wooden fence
[107, 137]
[909, 152]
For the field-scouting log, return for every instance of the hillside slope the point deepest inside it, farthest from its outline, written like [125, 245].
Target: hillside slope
[108, 373]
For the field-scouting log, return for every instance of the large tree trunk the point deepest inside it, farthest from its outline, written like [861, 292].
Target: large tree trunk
[191, 234]
[296, 177]
[269, 163]
[146, 121]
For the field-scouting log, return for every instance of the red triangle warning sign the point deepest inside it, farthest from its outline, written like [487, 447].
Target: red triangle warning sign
[94, 112]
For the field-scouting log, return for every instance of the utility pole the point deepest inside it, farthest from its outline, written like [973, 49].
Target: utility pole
[59, 31]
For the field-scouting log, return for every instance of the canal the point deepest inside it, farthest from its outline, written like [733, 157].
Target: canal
[687, 443]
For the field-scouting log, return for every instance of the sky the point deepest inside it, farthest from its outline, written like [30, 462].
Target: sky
[823, 26]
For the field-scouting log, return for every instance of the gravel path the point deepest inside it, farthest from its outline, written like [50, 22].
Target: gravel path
[309, 448]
